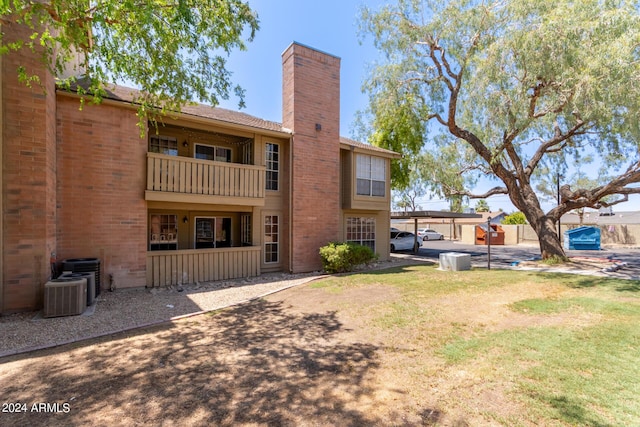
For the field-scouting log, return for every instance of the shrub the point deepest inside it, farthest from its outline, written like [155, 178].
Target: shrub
[515, 218]
[342, 257]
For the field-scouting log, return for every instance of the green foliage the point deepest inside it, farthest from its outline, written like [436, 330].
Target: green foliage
[514, 218]
[343, 257]
[506, 89]
[565, 350]
[173, 50]
[482, 206]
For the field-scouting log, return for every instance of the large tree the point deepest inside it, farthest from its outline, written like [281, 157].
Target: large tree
[173, 50]
[514, 82]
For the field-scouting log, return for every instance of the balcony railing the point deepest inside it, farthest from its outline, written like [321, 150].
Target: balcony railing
[167, 268]
[187, 176]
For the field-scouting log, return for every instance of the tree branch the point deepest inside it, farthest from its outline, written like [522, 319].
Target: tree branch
[551, 145]
[492, 192]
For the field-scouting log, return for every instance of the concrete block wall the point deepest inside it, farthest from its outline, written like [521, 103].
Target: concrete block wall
[311, 109]
[100, 189]
[28, 203]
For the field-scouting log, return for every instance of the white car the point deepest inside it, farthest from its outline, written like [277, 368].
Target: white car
[429, 234]
[404, 241]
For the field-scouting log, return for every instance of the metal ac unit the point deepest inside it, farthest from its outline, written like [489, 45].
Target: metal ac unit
[65, 297]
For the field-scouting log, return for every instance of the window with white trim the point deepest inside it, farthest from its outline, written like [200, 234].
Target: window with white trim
[271, 240]
[370, 176]
[362, 231]
[273, 166]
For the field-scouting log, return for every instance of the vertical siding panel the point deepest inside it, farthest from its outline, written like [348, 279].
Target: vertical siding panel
[216, 266]
[183, 177]
[149, 271]
[150, 169]
[175, 176]
[211, 180]
[174, 269]
[225, 181]
[234, 181]
[157, 167]
[181, 269]
[156, 272]
[211, 265]
[169, 175]
[205, 179]
[198, 189]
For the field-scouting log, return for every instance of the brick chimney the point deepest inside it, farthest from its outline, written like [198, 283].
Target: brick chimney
[311, 109]
[27, 177]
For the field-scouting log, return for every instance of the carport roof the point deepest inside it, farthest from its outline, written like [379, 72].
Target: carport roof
[432, 214]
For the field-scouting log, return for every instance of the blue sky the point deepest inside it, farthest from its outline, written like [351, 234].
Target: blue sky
[330, 26]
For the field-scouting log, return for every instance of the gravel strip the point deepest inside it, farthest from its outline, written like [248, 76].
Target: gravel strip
[134, 308]
[127, 309]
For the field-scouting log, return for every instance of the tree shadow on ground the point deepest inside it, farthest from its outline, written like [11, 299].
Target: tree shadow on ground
[252, 364]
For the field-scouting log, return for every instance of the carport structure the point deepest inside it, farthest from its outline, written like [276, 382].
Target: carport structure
[416, 215]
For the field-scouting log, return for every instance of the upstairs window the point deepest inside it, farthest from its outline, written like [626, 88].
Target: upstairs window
[370, 175]
[163, 145]
[273, 165]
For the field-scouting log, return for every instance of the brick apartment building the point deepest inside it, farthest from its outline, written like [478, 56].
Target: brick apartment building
[214, 194]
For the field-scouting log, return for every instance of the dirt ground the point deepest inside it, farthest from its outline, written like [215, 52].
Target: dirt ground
[301, 357]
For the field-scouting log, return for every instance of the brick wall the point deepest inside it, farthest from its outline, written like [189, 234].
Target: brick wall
[311, 95]
[28, 181]
[100, 190]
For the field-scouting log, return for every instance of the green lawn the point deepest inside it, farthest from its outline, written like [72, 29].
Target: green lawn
[553, 349]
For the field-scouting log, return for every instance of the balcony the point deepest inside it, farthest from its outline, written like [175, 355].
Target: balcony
[168, 268]
[187, 180]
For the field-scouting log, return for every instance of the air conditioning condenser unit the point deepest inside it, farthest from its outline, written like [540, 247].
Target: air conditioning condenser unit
[65, 297]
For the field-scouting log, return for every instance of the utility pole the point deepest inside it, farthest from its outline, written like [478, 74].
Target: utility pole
[489, 243]
[558, 186]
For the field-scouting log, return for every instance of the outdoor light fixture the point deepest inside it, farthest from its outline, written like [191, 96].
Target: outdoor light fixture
[318, 127]
[185, 144]
[185, 219]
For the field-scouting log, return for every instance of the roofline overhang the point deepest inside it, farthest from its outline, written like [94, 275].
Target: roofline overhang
[432, 214]
[188, 117]
[379, 151]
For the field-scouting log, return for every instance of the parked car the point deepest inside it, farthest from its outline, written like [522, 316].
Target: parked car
[394, 229]
[404, 241]
[429, 234]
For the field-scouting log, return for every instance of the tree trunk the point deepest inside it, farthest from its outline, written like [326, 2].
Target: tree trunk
[548, 238]
[543, 225]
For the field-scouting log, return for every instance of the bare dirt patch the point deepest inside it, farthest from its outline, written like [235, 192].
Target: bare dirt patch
[304, 356]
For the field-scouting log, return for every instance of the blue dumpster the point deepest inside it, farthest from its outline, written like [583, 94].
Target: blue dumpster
[582, 238]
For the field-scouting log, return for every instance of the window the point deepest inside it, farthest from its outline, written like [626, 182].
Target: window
[212, 232]
[271, 244]
[371, 176]
[273, 165]
[163, 145]
[163, 232]
[245, 230]
[208, 152]
[362, 231]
